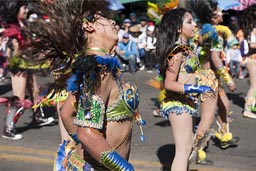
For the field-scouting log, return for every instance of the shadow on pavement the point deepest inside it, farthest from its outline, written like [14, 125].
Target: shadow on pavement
[163, 123]
[237, 99]
[49, 112]
[5, 88]
[32, 125]
[166, 155]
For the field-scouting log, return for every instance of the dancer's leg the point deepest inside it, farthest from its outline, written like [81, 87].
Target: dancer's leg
[38, 113]
[19, 85]
[14, 110]
[208, 100]
[223, 135]
[250, 98]
[208, 109]
[183, 136]
[223, 107]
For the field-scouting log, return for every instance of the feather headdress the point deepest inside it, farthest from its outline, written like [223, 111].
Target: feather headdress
[62, 38]
[155, 11]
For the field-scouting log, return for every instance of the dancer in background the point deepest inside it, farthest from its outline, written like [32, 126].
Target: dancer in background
[212, 37]
[3, 57]
[178, 65]
[14, 15]
[248, 24]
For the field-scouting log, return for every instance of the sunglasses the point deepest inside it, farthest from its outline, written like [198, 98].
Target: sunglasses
[92, 17]
[219, 13]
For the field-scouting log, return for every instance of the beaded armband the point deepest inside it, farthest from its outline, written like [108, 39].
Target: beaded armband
[114, 161]
[223, 73]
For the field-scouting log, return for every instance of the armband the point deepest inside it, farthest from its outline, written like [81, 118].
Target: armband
[115, 162]
[223, 73]
[189, 88]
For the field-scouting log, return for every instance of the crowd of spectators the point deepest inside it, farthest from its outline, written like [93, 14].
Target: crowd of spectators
[141, 31]
[137, 37]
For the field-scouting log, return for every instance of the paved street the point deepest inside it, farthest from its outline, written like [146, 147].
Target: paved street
[36, 151]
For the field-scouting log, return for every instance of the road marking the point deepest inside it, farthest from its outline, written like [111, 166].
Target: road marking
[52, 154]
[24, 150]
[27, 150]
[143, 163]
[29, 159]
[26, 159]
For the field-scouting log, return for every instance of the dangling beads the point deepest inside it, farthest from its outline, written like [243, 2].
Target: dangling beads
[141, 123]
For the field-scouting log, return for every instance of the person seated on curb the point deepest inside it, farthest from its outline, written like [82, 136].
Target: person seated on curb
[137, 36]
[127, 51]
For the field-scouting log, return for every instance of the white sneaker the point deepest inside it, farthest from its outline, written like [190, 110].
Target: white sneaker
[241, 77]
[248, 114]
[142, 67]
[43, 121]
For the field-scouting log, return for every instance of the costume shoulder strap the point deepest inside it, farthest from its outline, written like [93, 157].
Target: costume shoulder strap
[179, 48]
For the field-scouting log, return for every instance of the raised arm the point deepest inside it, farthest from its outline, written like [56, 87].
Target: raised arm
[172, 84]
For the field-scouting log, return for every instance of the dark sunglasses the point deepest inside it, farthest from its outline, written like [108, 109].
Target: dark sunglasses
[91, 17]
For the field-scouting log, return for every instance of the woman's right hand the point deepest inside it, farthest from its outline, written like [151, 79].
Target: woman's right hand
[188, 88]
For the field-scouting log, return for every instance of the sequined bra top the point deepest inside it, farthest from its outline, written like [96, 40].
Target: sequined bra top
[91, 110]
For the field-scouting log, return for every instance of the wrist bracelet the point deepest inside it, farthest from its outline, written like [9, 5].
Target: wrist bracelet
[223, 73]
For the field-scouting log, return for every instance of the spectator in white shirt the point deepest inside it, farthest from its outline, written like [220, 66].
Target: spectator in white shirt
[135, 35]
[124, 28]
[234, 58]
[150, 48]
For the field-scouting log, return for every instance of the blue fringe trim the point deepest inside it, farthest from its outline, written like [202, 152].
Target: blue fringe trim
[112, 64]
[72, 83]
[178, 110]
[60, 156]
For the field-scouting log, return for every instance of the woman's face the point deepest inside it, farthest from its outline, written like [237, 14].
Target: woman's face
[23, 12]
[217, 16]
[188, 27]
[105, 28]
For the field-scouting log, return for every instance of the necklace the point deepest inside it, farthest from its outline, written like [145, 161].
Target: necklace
[98, 49]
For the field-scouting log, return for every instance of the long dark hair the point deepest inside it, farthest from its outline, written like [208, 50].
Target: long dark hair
[9, 10]
[61, 38]
[203, 9]
[248, 21]
[168, 34]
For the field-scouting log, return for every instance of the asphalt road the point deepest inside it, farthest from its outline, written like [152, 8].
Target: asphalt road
[36, 151]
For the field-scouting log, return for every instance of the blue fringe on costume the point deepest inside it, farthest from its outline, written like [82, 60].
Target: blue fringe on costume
[85, 65]
[179, 110]
[72, 83]
[60, 157]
